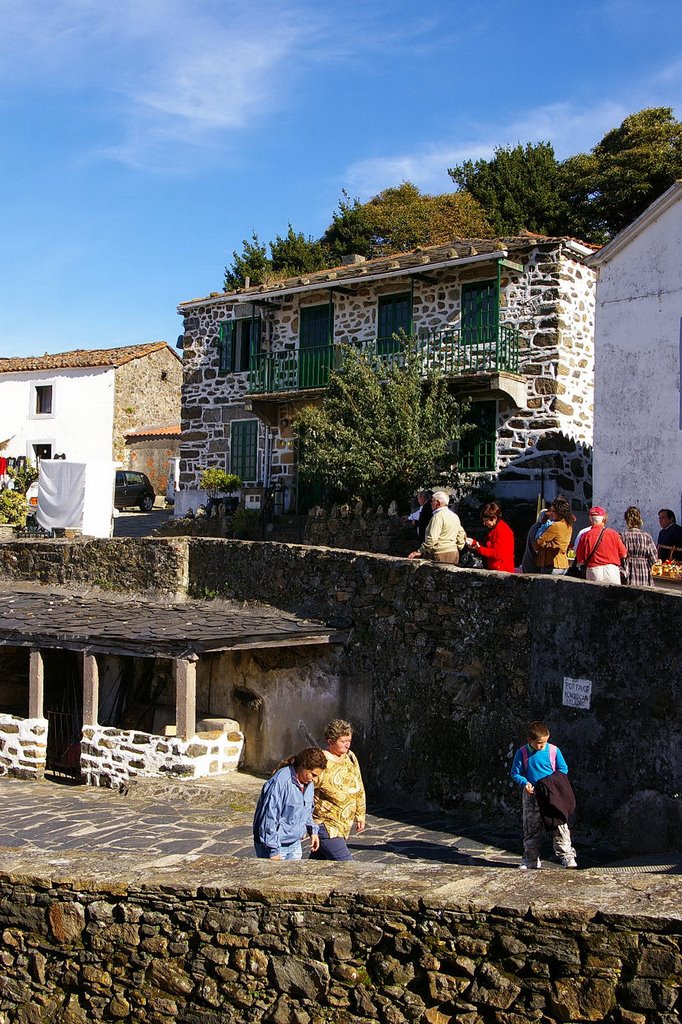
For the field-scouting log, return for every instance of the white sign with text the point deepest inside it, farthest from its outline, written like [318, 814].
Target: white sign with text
[577, 693]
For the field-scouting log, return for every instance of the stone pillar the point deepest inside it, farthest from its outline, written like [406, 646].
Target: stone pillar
[185, 697]
[90, 689]
[35, 685]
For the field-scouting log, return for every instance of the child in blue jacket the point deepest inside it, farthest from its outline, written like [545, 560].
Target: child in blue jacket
[535, 761]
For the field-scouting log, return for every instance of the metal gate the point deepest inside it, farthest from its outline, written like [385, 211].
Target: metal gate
[63, 757]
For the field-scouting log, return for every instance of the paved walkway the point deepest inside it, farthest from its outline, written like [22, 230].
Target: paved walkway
[175, 822]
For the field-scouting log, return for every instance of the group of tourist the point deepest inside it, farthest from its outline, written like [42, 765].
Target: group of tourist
[320, 793]
[601, 554]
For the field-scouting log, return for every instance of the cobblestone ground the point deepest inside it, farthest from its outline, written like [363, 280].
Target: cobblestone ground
[174, 822]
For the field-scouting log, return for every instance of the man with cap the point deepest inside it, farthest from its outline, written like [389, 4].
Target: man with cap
[600, 549]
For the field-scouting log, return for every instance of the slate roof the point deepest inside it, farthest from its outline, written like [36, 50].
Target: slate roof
[33, 616]
[417, 259]
[82, 357]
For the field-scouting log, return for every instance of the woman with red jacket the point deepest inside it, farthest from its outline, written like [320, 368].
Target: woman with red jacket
[498, 551]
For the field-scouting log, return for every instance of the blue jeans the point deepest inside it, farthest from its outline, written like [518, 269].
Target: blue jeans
[291, 852]
[331, 849]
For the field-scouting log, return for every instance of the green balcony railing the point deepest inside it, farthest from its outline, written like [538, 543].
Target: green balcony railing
[452, 352]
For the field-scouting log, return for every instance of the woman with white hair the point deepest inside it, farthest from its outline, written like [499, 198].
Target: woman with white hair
[445, 536]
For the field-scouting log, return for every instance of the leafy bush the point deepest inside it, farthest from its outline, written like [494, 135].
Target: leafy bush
[12, 508]
[217, 481]
[24, 477]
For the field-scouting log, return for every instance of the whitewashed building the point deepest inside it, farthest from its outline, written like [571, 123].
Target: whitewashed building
[638, 404]
[81, 404]
[509, 321]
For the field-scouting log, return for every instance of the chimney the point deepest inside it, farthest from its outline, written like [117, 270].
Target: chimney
[351, 258]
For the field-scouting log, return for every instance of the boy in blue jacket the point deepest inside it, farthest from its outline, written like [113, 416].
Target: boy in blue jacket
[535, 761]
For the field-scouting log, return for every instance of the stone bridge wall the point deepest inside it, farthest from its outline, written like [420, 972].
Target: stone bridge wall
[227, 941]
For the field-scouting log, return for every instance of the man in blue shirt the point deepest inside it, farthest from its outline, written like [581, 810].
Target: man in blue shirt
[284, 812]
[669, 537]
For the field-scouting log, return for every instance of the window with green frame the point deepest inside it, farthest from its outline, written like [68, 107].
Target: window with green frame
[239, 340]
[394, 314]
[477, 450]
[244, 449]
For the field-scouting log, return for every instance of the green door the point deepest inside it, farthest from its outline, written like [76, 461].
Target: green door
[480, 315]
[394, 316]
[315, 346]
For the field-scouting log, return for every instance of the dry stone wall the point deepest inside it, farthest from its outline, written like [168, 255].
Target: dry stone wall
[112, 757]
[227, 942]
[23, 745]
[551, 303]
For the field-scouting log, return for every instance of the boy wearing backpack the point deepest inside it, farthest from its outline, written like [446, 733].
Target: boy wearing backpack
[534, 761]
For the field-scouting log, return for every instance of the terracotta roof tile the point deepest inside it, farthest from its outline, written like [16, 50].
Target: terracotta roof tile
[171, 431]
[82, 357]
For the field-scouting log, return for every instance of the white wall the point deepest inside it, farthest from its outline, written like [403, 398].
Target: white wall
[637, 432]
[81, 423]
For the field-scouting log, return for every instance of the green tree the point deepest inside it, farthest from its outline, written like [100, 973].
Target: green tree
[400, 219]
[608, 188]
[382, 430]
[349, 232]
[296, 254]
[519, 188]
[252, 262]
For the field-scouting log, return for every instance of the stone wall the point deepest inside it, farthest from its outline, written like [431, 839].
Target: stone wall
[551, 303]
[125, 565]
[23, 745]
[225, 941]
[147, 393]
[112, 757]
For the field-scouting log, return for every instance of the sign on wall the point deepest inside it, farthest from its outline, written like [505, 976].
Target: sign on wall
[577, 693]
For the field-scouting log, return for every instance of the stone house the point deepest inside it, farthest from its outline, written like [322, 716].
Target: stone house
[83, 403]
[638, 456]
[155, 451]
[509, 321]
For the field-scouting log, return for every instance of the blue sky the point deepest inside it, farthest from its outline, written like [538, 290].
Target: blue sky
[142, 140]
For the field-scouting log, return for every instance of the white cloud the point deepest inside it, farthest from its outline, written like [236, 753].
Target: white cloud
[170, 75]
[569, 129]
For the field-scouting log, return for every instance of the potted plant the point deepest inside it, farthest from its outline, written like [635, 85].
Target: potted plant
[217, 482]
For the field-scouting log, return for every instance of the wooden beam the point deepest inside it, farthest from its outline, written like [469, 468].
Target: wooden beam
[185, 697]
[36, 676]
[90, 689]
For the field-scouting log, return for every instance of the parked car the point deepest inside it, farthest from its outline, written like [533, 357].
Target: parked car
[133, 489]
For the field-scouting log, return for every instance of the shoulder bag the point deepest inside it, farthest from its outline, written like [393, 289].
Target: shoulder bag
[579, 569]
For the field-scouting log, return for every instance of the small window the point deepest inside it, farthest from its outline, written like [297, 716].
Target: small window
[244, 449]
[239, 341]
[43, 406]
[42, 451]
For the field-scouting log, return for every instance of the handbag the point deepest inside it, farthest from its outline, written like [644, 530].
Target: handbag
[624, 577]
[468, 559]
[579, 569]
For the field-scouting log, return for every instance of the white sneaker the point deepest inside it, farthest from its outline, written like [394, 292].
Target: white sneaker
[569, 862]
[526, 865]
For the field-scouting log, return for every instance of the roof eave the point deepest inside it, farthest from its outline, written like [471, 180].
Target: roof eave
[645, 219]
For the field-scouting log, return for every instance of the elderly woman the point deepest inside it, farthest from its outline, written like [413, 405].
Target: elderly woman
[553, 543]
[339, 795]
[284, 812]
[642, 552]
[498, 550]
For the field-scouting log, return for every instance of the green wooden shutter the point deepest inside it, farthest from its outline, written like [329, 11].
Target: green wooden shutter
[244, 449]
[478, 447]
[394, 315]
[479, 312]
[226, 347]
